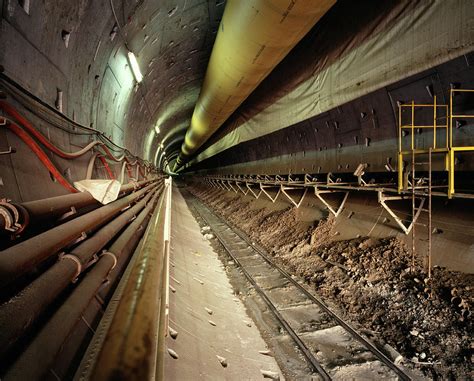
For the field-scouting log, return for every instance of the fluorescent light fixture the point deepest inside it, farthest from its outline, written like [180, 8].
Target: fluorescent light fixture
[157, 129]
[135, 68]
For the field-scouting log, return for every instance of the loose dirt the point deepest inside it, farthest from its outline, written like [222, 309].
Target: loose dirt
[371, 282]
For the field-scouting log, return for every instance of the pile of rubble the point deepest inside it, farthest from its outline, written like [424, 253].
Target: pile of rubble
[372, 282]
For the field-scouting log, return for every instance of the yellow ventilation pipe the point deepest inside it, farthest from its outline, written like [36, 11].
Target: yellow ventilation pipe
[253, 37]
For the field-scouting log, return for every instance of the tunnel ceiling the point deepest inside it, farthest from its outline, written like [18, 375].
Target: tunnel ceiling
[80, 48]
[173, 45]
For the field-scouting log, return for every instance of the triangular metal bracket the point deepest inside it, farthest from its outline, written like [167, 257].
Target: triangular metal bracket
[332, 179]
[296, 204]
[256, 195]
[272, 199]
[241, 189]
[222, 185]
[336, 213]
[232, 187]
[309, 180]
[406, 229]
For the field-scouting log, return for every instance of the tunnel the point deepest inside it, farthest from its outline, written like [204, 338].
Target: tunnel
[236, 190]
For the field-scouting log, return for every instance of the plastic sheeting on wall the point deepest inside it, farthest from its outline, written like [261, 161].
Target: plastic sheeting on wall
[253, 37]
[420, 37]
[104, 191]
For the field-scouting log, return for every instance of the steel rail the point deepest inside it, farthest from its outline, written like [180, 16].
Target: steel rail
[371, 347]
[301, 345]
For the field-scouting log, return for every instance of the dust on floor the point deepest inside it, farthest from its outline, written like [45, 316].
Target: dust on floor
[371, 282]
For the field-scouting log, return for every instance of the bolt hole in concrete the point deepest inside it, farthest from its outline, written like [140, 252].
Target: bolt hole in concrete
[369, 281]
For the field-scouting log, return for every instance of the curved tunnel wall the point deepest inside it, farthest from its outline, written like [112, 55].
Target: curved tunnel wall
[79, 48]
[361, 131]
[279, 129]
[373, 49]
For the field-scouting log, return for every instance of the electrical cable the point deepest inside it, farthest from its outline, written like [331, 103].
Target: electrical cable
[28, 140]
[107, 168]
[28, 96]
[38, 135]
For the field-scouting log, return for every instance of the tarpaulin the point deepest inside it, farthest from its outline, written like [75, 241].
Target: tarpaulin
[420, 37]
[104, 191]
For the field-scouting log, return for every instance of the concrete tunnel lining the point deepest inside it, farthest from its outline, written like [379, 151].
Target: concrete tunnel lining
[317, 132]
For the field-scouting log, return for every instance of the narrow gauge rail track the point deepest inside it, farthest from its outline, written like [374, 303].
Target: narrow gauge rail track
[306, 318]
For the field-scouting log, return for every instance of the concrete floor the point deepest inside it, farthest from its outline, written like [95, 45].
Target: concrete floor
[210, 320]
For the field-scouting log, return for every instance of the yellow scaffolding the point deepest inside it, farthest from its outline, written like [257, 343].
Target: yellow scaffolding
[452, 148]
[412, 126]
[448, 149]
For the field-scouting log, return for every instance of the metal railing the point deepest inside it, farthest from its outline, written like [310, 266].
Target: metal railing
[455, 148]
[449, 148]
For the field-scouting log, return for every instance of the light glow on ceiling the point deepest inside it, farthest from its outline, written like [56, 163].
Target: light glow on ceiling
[135, 68]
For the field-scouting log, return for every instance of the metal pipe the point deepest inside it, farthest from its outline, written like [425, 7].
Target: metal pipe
[57, 206]
[128, 241]
[253, 37]
[122, 172]
[40, 354]
[130, 347]
[89, 359]
[19, 259]
[19, 313]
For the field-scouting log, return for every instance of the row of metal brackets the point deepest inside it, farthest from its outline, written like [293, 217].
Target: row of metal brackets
[261, 184]
[282, 186]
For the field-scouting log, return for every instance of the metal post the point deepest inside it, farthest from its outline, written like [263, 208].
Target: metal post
[451, 173]
[412, 125]
[400, 172]
[399, 128]
[413, 211]
[429, 213]
[434, 123]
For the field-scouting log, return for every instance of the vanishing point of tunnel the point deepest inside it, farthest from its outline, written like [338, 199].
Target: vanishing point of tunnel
[236, 190]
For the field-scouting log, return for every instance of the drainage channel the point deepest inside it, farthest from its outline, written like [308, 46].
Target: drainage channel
[332, 348]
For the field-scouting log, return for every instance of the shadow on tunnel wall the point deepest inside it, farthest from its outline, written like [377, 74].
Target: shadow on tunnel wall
[346, 26]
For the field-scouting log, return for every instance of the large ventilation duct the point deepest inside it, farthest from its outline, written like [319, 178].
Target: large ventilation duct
[253, 37]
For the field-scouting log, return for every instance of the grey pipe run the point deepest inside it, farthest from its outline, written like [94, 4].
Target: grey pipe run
[19, 313]
[41, 353]
[57, 206]
[15, 218]
[26, 255]
[34, 212]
